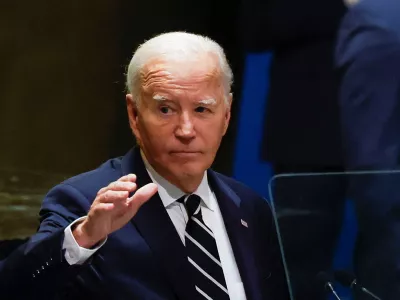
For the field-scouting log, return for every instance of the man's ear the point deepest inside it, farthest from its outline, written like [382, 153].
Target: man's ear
[131, 107]
[228, 112]
[229, 102]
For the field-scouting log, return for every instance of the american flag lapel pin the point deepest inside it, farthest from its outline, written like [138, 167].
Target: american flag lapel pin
[244, 223]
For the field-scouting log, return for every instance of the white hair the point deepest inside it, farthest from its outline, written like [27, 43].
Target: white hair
[350, 3]
[176, 46]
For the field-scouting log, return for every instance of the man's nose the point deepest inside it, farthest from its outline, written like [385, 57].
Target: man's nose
[185, 128]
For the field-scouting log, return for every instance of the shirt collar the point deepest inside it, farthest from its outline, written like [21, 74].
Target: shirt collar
[169, 193]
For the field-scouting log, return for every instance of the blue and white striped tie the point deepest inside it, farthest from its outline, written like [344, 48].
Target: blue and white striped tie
[203, 253]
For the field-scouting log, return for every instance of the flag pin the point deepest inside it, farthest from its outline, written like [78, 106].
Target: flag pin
[244, 223]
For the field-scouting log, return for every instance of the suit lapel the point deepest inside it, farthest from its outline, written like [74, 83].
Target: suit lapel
[154, 224]
[239, 235]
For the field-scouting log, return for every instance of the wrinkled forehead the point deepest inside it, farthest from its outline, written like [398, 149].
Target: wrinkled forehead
[194, 69]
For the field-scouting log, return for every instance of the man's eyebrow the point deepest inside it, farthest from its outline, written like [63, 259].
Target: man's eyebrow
[159, 98]
[209, 101]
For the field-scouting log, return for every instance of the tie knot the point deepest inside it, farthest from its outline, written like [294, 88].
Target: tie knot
[192, 204]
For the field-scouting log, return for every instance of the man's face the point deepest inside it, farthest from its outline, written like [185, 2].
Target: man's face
[182, 116]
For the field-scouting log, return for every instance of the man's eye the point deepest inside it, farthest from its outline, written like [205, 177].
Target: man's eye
[165, 109]
[201, 109]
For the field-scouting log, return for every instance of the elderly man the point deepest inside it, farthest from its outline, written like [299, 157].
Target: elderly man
[157, 223]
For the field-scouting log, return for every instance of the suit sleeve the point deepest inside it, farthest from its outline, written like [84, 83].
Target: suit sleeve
[38, 268]
[75, 254]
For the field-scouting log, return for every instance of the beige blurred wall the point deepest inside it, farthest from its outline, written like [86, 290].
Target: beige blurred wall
[60, 83]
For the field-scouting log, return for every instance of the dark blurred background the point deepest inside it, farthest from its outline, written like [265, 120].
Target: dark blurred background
[62, 91]
[62, 75]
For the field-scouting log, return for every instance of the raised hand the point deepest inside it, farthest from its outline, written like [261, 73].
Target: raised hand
[112, 209]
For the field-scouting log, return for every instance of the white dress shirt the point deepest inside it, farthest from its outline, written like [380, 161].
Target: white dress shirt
[212, 217]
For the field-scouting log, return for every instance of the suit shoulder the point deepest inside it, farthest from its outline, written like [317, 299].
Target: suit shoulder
[251, 200]
[239, 187]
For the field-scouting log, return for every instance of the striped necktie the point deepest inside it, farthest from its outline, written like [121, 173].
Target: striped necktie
[203, 253]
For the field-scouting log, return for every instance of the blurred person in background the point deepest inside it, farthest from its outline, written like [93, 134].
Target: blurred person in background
[157, 223]
[368, 56]
[301, 130]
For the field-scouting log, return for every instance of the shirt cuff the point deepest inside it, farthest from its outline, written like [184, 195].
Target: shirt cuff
[75, 254]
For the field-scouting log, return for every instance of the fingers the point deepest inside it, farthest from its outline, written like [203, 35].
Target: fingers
[125, 183]
[122, 186]
[112, 208]
[117, 193]
[116, 202]
[113, 196]
[129, 177]
[104, 206]
[142, 195]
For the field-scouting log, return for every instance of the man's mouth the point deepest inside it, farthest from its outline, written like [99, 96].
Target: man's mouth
[185, 153]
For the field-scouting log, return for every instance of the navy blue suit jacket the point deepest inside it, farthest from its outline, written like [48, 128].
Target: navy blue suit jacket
[146, 258]
[368, 55]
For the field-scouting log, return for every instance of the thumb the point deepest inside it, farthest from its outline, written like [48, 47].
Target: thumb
[143, 194]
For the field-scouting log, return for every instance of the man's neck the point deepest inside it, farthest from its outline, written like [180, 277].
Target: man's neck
[187, 185]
